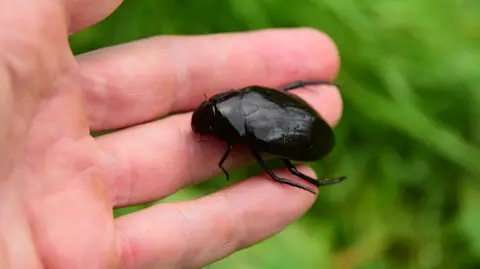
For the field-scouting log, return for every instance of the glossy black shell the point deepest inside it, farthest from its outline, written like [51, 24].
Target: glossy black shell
[266, 120]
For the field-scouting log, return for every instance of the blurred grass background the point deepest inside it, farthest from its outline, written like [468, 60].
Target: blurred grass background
[409, 140]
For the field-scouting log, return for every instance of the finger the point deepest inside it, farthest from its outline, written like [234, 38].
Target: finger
[144, 80]
[153, 160]
[195, 233]
[84, 13]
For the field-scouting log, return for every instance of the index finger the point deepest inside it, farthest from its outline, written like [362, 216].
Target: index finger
[144, 80]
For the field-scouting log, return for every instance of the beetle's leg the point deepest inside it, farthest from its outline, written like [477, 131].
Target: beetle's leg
[316, 182]
[222, 160]
[277, 178]
[303, 83]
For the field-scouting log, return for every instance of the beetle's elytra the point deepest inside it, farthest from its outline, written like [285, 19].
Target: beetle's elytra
[269, 121]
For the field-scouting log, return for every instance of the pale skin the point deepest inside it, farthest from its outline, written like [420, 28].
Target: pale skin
[58, 184]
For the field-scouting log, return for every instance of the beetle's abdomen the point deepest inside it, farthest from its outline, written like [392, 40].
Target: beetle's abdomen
[296, 138]
[289, 129]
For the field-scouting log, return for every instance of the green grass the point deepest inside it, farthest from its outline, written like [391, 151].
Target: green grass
[409, 139]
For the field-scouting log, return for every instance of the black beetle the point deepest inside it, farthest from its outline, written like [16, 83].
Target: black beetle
[270, 121]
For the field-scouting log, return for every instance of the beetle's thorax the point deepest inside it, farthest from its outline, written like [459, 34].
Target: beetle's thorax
[220, 116]
[229, 120]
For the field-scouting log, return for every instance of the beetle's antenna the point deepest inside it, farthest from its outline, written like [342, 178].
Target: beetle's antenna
[303, 83]
[206, 97]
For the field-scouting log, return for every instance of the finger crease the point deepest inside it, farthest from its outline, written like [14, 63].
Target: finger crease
[181, 76]
[184, 254]
[120, 194]
[234, 224]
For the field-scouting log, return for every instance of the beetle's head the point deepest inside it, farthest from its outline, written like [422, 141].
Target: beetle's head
[203, 118]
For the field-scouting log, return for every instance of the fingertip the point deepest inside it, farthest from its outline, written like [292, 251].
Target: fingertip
[332, 107]
[264, 186]
[327, 53]
[307, 170]
[326, 99]
[318, 45]
[297, 54]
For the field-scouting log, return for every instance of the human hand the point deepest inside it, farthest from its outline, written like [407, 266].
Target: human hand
[58, 184]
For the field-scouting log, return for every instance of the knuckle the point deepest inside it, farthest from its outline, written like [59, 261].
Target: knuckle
[233, 225]
[120, 180]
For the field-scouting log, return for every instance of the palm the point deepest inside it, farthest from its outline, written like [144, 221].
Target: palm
[55, 174]
[59, 184]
